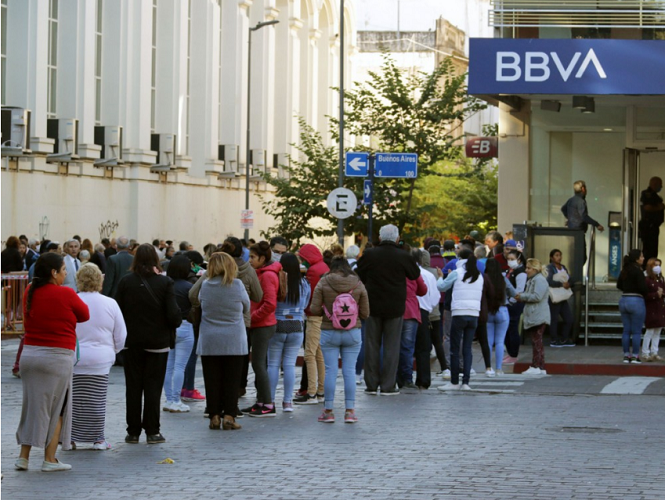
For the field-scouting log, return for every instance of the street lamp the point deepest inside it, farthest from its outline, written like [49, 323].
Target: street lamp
[249, 88]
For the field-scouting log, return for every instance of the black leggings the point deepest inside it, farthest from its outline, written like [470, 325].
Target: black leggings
[481, 333]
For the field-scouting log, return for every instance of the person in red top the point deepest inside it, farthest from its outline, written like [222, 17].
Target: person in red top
[50, 313]
[316, 368]
[263, 326]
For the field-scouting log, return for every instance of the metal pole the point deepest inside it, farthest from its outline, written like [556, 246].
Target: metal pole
[340, 181]
[249, 88]
[371, 197]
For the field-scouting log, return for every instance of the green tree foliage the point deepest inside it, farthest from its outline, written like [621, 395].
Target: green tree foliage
[421, 113]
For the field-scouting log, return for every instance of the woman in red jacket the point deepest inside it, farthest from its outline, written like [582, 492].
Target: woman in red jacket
[263, 326]
[51, 312]
[655, 319]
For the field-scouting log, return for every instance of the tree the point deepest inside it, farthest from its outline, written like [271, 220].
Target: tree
[421, 113]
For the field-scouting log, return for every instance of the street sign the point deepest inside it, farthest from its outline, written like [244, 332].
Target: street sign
[396, 165]
[357, 164]
[482, 147]
[342, 203]
[247, 219]
[367, 192]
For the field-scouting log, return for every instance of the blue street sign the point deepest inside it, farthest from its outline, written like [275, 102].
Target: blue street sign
[396, 165]
[357, 164]
[367, 192]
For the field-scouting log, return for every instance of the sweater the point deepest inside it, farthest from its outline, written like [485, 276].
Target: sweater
[11, 260]
[632, 280]
[54, 312]
[263, 312]
[101, 337]
[181, 289]
[317, 268]
[535, 296]
[327, 291]
[222, 331]
[430, 301]
[414, 289]
[384, 271]
[287, 311]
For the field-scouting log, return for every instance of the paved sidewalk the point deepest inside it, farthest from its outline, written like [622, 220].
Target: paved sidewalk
[420, 445]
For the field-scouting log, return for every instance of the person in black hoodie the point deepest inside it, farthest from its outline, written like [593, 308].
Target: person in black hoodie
[633, 310]
[148, 304]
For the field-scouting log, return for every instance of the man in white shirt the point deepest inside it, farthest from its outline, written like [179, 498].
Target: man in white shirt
[72, 263]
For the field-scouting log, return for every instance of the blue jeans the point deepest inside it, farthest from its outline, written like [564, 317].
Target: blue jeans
[633, 313]
[178, 357]
[406, 349]
[283, 350]
[347, 344]
[463, 329]
[497, 326]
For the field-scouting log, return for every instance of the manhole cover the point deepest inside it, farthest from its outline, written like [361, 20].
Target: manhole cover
[589, 430]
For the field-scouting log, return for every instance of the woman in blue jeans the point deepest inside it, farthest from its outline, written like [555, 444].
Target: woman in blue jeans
[498, 318]
[632, 283]
[345, 341]
[178, 271]
[284, 345]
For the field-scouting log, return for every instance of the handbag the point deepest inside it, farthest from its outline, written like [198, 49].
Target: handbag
[560, 294]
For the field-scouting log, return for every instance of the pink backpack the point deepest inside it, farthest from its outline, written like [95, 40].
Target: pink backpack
[344, 310]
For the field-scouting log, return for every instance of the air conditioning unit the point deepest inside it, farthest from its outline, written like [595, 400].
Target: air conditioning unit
[65, 132]
[228, 153]
[257, 159]
[110, 139]
[15, 131]
[165, 146]
[281, 164]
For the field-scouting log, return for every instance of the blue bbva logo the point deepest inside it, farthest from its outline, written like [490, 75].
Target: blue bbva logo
[537, 66]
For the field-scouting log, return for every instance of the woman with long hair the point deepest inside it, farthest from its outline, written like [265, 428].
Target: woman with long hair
[336, 342]
[100, 339]
[11, 259]
[498, 319]
[559, 277]
[465, 308]
[284, 345]
[222, 338]
[178, 271]
[536, 312]
[517, 276]
[655, 305]
[148, 304]
[51, 312]
[631, 304]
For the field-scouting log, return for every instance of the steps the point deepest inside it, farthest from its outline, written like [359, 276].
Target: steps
[604, 315]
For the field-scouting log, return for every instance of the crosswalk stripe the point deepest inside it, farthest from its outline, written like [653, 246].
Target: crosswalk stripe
[497, 382]
[629, 385]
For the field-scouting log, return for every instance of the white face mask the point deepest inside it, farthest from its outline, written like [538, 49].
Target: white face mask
[513, 264]
[656, 269]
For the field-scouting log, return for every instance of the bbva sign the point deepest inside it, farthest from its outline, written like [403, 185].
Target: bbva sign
[537, 66]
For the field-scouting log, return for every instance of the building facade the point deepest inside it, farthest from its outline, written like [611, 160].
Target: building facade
[580, 92]
[150, 97]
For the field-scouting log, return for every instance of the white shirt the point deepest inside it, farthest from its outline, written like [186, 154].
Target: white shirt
[432, 298]
[101, 337]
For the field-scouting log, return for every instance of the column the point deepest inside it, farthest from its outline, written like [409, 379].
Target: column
[27, 49]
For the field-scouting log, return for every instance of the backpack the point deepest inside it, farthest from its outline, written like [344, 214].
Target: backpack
[281, 291]
[344, 310]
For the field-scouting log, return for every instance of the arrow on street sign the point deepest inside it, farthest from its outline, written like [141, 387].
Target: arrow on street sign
[367, 192]
[356, 164]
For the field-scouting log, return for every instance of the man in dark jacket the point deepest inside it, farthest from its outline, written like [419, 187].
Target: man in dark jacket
[116, 267]
[651, 217]
[384, 271]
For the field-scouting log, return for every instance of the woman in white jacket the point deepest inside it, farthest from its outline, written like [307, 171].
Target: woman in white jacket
[99, 339]
[536, 312]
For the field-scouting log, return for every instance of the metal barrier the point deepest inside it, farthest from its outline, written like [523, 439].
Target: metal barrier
[589, 281]
[13, 288]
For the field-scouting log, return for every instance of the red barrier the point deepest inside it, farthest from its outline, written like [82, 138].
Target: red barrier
[13, 288]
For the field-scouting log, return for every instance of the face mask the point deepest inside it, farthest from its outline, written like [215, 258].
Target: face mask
[656, 269]
[277, 256]
[513, 264]
[659, 189]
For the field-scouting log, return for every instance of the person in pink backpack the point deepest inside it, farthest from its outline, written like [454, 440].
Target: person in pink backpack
[341, 299]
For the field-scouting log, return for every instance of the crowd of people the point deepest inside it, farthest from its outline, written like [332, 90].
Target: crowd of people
[382, 308]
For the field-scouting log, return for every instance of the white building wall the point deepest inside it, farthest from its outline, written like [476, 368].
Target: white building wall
[290, 78]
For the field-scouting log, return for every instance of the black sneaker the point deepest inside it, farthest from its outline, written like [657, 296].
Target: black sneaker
[636, 360]
[556, 343]
[239, 414]
[626, 359]
[409, 385]
[131, 439]
[393, 392]
[249, 409]
[156, 439]
[306, 400]
[370, 392]
[263, 411]
[568, 343]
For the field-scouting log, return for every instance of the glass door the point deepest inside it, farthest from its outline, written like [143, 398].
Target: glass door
[630, 199]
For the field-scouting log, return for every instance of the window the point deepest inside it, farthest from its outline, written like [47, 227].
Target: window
[189, 58]
[98, 64]
[153, 76]
[4, 51]
[52, 64]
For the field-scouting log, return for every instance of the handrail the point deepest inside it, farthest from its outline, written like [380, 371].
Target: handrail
[589, 281]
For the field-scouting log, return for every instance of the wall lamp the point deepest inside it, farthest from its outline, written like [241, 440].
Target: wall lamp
[584, 103]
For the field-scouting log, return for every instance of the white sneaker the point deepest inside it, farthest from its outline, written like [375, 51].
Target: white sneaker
[472, 372]
[532, 371]
[543, 372]
[179, 407]
[446, 374]
[499, 373]
[168, 406]
[449, 387]
[359, 379]
[490, 373]
[103, 446]
[465, 387]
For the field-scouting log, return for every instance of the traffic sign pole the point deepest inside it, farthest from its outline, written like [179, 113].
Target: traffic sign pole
[371, 197]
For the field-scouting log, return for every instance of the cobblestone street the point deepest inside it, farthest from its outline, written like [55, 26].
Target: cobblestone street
[422, 445]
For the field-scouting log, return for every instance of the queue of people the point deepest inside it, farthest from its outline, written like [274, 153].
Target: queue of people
[156, 312]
